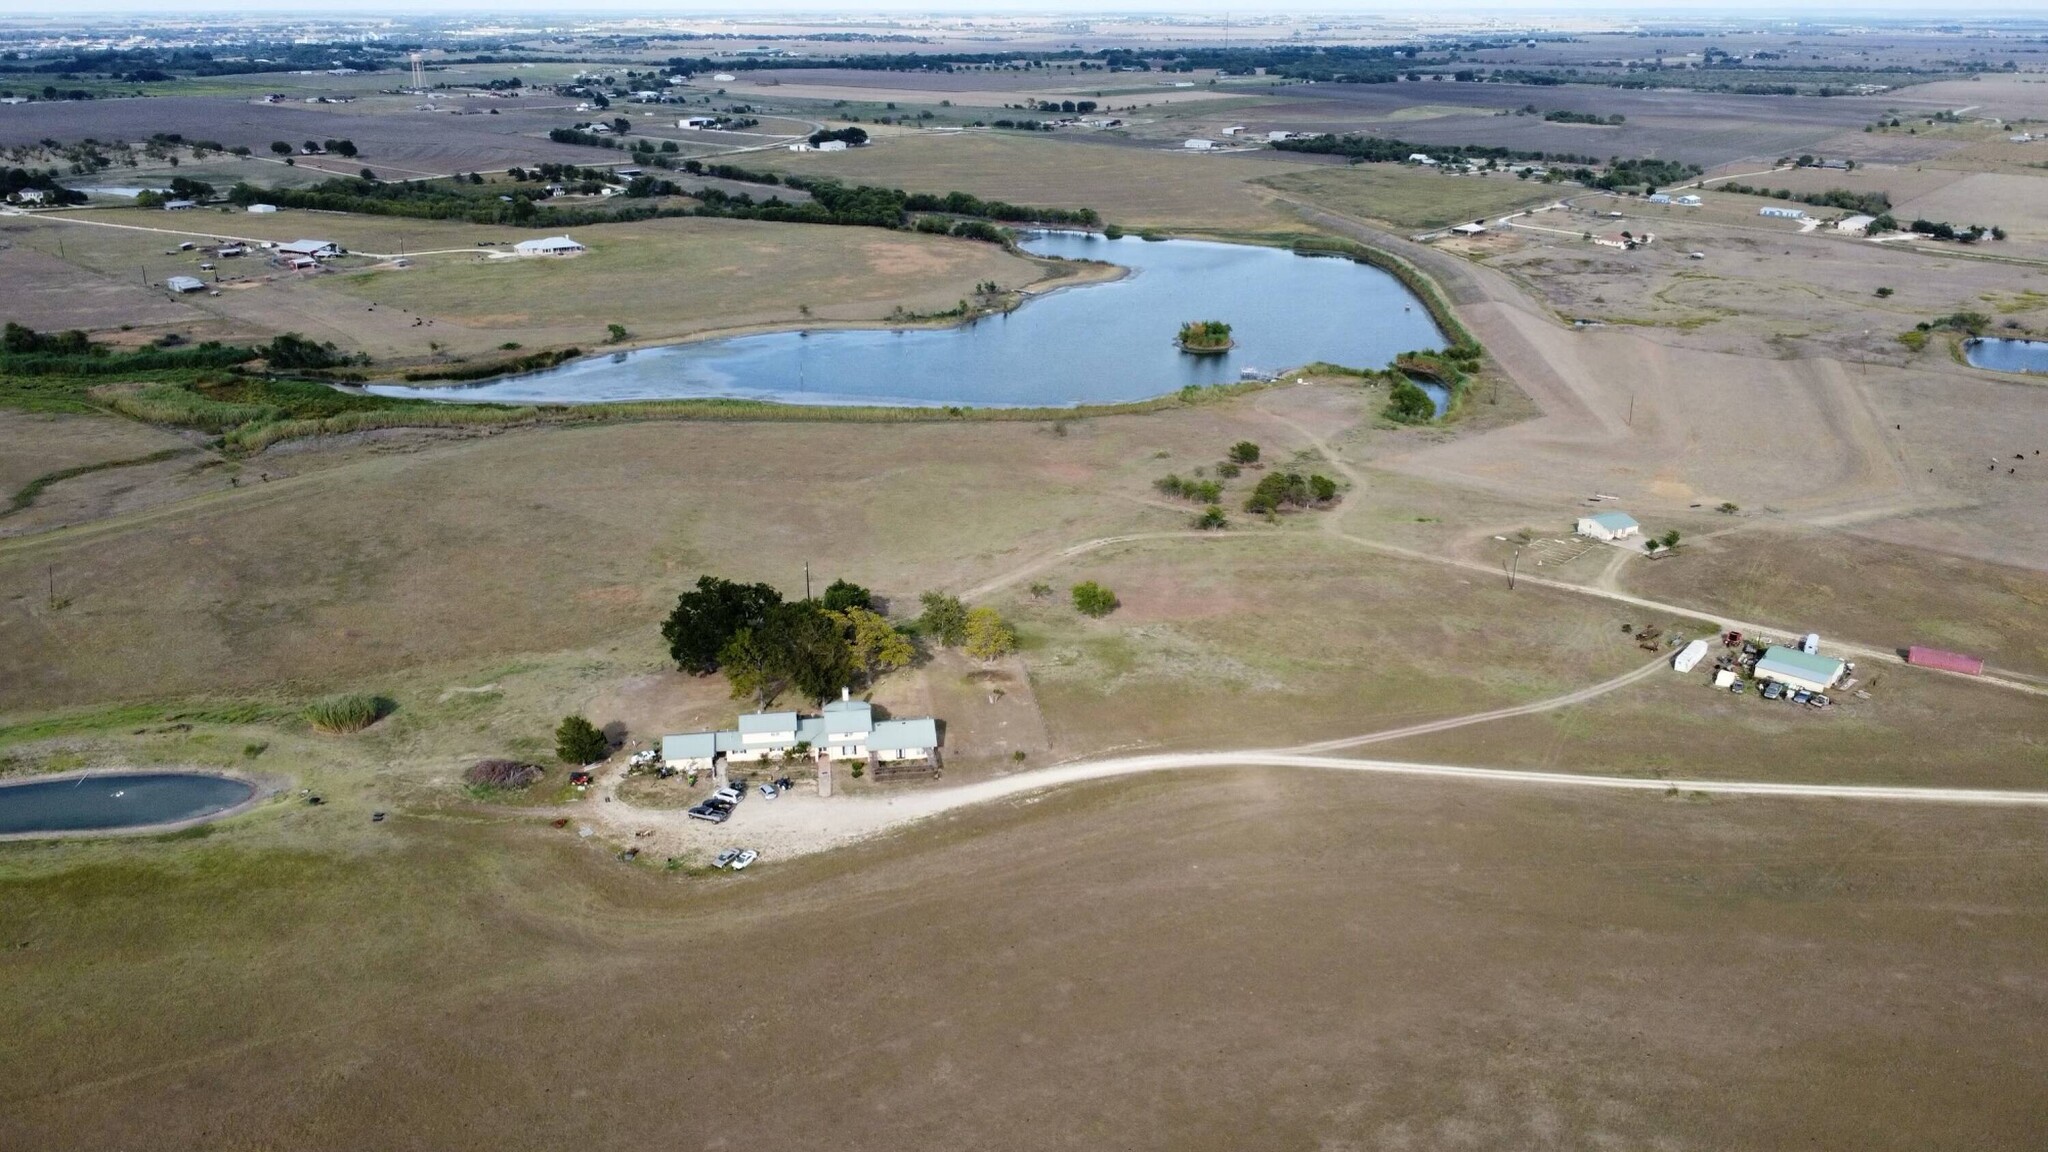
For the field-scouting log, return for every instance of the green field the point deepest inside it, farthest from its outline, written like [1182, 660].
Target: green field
[1409, 197]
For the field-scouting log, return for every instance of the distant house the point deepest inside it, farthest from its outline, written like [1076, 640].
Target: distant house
[1609, 526]
[184, 284]
[179, 205]
[1687, 201]
[698, 123]
[1808, 670]
[802, 146]
[832, 146]
[1420, 158]
[310, 249]
[1233, 130]
[1660, 197]
[1472, 229]
[725, 77]
[262, 209]
[548, 246]
[1198, 145]
[29, 196]
[846, 729]
[1782, 213]
[1857, 224]
[628, 173]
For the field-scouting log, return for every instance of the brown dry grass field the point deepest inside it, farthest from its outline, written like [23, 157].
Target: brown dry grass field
[1188, 962]
[663, 279]
[1133, 187]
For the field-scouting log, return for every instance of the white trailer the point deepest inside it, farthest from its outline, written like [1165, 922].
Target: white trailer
[1689, 657]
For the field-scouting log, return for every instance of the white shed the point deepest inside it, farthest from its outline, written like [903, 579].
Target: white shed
[1608, 526]
[1198, 145]
[1689, 657]
[183, 284]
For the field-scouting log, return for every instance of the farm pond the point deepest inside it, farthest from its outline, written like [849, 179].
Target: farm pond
[1101, 343]
[91, 802]
[2002, 355]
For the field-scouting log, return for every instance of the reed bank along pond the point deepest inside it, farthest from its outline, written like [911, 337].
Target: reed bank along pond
[1103, 343]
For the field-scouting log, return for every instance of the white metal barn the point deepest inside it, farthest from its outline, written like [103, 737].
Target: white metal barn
[1609, 526]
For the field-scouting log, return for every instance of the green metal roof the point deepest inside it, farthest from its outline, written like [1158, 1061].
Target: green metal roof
[1615, 521]
[1793, 662]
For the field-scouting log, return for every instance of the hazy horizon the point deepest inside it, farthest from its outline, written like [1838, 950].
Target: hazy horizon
[1531, 11]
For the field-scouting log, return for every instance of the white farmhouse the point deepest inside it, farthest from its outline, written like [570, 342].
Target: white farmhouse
[846, 730]
[548, 246]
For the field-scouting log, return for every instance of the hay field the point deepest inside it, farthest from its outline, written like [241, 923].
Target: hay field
[2016, 202]
[661, 278]
[1883, 593]
[675, 276]
[537, 541]
[1190, 963]
[1408, 198]
[1133, 187]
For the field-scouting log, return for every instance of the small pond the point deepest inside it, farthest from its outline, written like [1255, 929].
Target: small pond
[1101, 343]
[2007, 355]
[124, 800]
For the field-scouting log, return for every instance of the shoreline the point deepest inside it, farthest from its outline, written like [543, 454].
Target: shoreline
[262, 789]
[1088, 274]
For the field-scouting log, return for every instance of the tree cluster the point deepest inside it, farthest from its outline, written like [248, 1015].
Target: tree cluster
[1278, 490]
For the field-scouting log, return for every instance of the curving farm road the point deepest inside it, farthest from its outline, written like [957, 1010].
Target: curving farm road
[797, 824]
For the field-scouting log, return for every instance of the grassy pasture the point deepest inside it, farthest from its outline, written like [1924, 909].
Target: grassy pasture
[673, 277]
[1408, 197]
[1134, 187]
[1429, 964]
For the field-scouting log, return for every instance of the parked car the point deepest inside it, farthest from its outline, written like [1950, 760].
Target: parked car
[784, 784]
[725, 858]
[1819, 701]
[1773, 690]
[712, 813]
[745, 858]
[729, 794]
[769, 791]
[1736, 687]
[1801, 696]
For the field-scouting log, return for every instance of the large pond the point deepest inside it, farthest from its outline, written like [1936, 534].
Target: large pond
[2007, 355]
[1090, 344]
[130, 800]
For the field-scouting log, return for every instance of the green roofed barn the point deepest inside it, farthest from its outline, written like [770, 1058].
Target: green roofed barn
[1609, 526]
[1798, 669]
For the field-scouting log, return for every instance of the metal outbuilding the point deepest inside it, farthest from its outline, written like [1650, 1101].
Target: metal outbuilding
[1799, 669]
[1689, 657]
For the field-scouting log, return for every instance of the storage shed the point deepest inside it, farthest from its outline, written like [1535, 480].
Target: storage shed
[1609, 526]
[1798, 669]
[183, 284]
[1689, 657]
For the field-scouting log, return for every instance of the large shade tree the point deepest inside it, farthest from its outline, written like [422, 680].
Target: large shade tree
[706, 620]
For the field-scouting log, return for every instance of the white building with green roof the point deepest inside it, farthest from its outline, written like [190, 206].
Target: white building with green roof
[1609, 526]
[1790, 666]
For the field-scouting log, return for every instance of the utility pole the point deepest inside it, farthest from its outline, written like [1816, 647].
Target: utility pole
[1631, 409]
[1514, 564]
[807, 579]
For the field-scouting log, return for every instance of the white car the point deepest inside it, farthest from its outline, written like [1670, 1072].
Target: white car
[745, 858]
[769, 791]
[729, 794]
